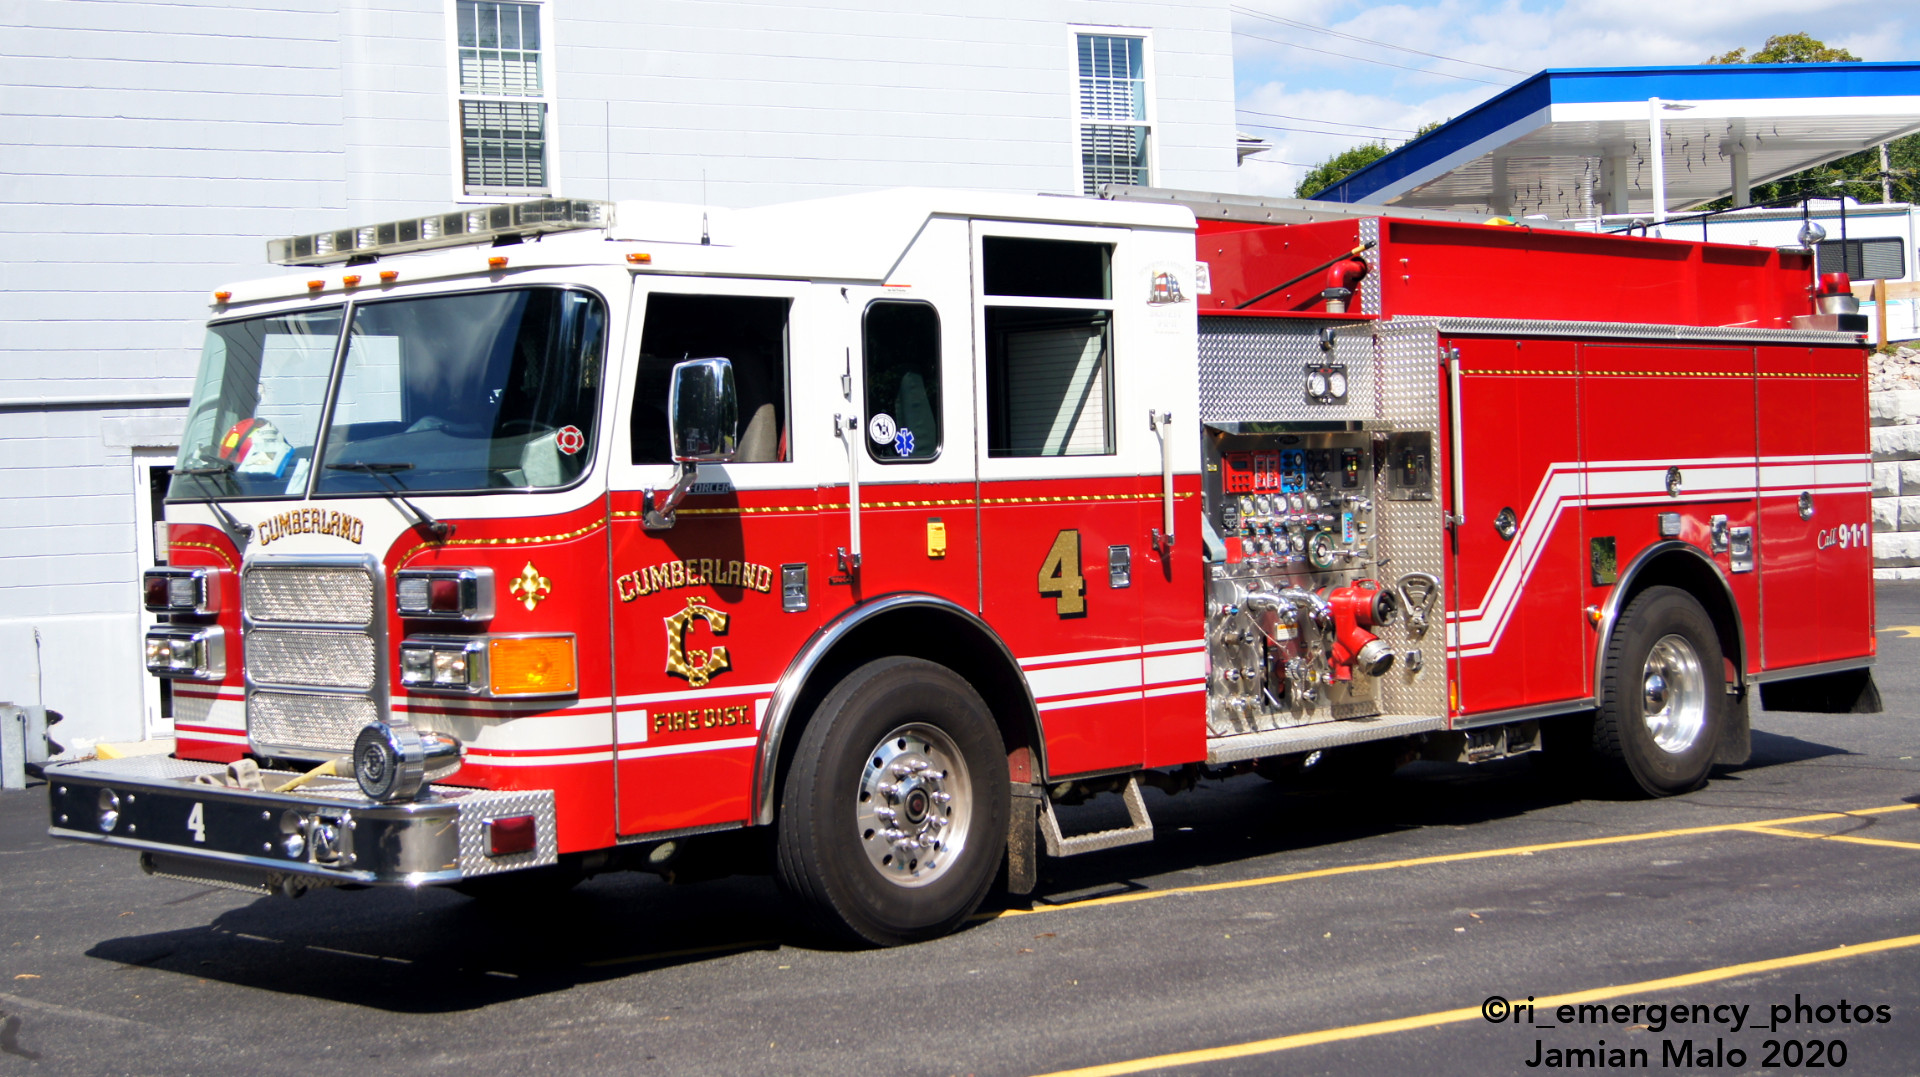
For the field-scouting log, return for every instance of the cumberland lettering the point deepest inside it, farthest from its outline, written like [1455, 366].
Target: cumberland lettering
[309, 522]
[693, 572]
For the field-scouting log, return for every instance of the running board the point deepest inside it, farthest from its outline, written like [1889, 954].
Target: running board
[1312, 738]
[1141, 828]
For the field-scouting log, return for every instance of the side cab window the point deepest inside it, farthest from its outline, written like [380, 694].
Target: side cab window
[900, 342]
[751, 332]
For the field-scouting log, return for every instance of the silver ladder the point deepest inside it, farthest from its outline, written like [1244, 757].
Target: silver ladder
[1139, 829]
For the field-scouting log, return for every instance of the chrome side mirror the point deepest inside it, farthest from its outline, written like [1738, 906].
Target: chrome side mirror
[703, 412]
[703, 418]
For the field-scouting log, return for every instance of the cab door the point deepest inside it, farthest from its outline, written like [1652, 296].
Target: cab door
[1066, 461]
[700, 630]
[906, 426]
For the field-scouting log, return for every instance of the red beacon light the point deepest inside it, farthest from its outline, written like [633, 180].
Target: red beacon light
[1834, 295]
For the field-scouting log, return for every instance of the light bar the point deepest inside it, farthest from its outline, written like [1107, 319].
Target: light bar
[457, 228]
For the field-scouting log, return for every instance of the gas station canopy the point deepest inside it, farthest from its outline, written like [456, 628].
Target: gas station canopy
[1580, 143]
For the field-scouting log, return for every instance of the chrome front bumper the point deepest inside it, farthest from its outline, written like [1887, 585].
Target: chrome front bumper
[326, 833]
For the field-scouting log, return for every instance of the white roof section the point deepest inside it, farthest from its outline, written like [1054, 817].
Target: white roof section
[855, 237]
[1576, 143]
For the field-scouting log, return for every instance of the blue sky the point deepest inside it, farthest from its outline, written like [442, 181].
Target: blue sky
[1391, 78]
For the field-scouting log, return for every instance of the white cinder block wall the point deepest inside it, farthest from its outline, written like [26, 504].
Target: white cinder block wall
[149, 148]
[1894, 410]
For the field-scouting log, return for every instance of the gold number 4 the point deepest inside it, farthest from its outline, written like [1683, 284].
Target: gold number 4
[1060, 575]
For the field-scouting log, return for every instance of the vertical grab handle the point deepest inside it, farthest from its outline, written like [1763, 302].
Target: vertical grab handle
[1161, 422]
[847, 429]
[1456, 474]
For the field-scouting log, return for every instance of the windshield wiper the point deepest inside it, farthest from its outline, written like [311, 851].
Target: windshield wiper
[392, 492]
[227, 519]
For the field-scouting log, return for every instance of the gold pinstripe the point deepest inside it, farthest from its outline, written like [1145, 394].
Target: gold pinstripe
[222, 554]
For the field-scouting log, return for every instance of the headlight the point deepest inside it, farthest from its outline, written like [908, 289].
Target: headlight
[182, 590]
[459, 594]
[181, 652]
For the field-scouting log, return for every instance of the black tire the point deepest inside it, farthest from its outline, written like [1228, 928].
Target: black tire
[888, 715]
[1661, 738]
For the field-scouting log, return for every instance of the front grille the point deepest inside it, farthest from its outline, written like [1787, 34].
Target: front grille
[312, 659]
[309, 594]
[317, 723]
[285, 604]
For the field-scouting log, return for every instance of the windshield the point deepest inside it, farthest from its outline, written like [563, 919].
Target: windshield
[482, 391]
[491, 390]
[256, 407]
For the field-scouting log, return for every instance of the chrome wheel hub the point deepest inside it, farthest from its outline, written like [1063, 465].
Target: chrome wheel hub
[1674, 694]
[914, 805]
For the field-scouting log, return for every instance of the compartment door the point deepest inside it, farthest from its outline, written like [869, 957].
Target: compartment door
[1518, 560]
[1816, 559]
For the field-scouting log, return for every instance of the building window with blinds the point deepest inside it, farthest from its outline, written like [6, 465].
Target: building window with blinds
[1113, 122]
[503, 99]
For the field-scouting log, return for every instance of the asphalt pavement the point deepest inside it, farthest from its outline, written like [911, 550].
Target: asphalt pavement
[1266, 930]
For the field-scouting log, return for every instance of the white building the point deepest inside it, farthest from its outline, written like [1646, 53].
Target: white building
[150, 148]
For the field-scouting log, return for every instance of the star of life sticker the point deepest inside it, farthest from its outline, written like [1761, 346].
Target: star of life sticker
[881, 428]
[903, 443]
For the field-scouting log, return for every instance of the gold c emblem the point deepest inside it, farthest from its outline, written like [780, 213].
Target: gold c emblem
[710, 663]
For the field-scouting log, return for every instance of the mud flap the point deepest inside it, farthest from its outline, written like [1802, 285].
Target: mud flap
[1850, 691]
[1023, 830]
[1736, 737]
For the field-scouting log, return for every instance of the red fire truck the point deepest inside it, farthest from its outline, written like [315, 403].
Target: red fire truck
[850, 537]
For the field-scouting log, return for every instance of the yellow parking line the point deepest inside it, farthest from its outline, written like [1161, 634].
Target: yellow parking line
[1472, 1013]
[1835, 837]
[1444, 858]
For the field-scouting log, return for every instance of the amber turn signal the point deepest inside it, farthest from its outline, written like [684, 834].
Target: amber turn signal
[531, 665]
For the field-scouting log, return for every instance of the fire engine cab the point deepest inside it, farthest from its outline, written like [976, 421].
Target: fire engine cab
[849, 537]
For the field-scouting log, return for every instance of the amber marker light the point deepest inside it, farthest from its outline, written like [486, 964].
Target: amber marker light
[350, 280]
[222, 297]
[315, 285]
[498, 261]
[531, 665]
[640, 258]
[388, 276]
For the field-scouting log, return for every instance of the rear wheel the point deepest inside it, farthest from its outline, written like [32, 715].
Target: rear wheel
[893, 820]
[1665, 695]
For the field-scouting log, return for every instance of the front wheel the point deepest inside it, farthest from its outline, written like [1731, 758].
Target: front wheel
[1660, 722]
[893, 819]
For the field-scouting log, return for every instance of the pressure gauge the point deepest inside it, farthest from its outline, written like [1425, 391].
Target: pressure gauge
[1317, 384]
[1296, 502]
[1261, 505]
[1246, 506]
[1336, 383]
[1313, 501]
[1298, 541]
[1320, 551]
[1246, 547]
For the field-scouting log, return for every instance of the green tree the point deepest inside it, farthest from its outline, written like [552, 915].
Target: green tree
[1788, 49]
[1339, 167]
[1856, 175]
[1351, 160]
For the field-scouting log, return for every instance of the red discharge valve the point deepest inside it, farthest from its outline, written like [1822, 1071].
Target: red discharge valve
[1360, 605]
[1342, 278]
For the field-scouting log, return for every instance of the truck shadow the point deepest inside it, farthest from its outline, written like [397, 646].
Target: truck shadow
[437, 951]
